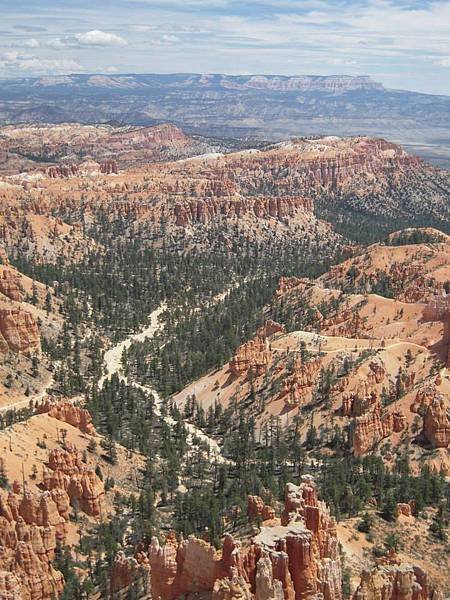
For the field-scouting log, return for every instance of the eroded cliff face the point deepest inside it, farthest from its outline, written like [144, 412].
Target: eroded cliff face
[434, 408]
[436, 423]
[34, 523]
[301, 378]
[439, 310]
[253, 357]
[10, 285]
[128, 571]
[67, 412]
[31, 526]
[67, 471]
[369, 429]
[258, 509]
[19, 331]
[395, 582]
[204, 211]
[296, 559]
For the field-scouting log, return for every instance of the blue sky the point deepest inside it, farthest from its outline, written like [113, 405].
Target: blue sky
[402, 44]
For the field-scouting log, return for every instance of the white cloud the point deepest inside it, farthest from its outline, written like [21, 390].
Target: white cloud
[96, 37]
[144, 28]
[166, 40]
[31, 43]
[444, 61]
[57, 44]
[15, 62]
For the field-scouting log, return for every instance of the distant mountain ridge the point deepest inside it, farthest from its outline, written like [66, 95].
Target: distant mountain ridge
[268, 107]
[279, 83]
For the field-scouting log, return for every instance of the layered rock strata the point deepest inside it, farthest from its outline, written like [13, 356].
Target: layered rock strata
[67, 471]
[395, 582]
[370, 429]
[295, 560]
[19, 331]
[69, 413]
[253, 356]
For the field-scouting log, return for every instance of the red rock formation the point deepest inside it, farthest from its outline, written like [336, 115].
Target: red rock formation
[286, 284]
[18, 331]
[297, 560]
[127, 571]
[395, 582]
[69, 413]
[371, 428]
[310, 542]
[439, 310]
[61, 171]
[403, 509]
[232, 588]
[253, 356]
[436, 423]
[204, 211]
[67, 471]
[31, 526]
[424, 396]
[10, 587]
[359, 402]
[164, 566]
[109, 166]
[269, 329]
[266, 586]
[303, 376]
[10, 284]
[256, 508]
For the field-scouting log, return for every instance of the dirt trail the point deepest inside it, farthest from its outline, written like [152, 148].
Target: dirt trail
[24, 403]
[113, 363]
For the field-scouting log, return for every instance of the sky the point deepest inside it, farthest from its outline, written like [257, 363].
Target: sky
[403, 44]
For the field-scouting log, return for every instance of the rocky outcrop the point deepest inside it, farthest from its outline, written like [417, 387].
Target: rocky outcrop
[302, 377]
[69, 413]
[131, 571]
[436, 423]
[31, 526]
[204, 211]
[370, 429]
[424, 397]
[10, 285]
[67, 471]
[359, 402]
[266, 586]
[60, 171]
[269, 329]
[10, 587]
[297, 560]
[18, 331]
[38, 579]
[364, 399]
[286, 284]
[253, 357]
[108, 167]
[232, 588]
[439, 310]
[257, 509]
[395, 582]
[403, 508]
[304, 550]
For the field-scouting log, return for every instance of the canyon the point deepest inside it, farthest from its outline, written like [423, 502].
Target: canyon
[218, 360]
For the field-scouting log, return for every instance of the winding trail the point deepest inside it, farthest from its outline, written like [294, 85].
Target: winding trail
[24, 403]
[113, 362]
